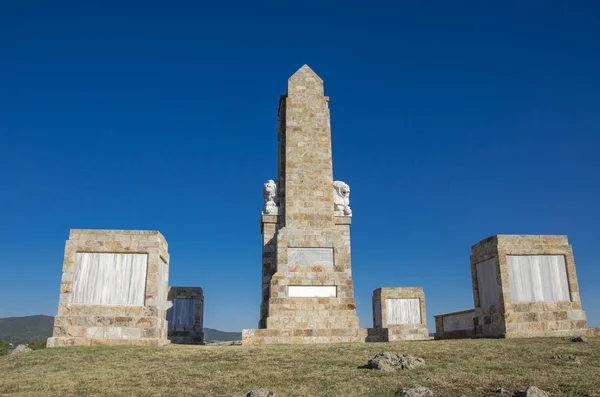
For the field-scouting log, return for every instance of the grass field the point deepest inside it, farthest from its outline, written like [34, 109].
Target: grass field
[454, 368]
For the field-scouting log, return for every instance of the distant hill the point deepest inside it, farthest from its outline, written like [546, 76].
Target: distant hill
[19, 330]
[220, 336]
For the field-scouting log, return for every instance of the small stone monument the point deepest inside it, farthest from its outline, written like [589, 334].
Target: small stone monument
[113, 289]
[185, 315]
[402, 312]
[307, 289]
[523, 286]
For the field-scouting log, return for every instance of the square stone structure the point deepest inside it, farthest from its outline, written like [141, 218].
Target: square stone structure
[185, 315]
[307, 288]
[523, 286]
[113, 289]
[401, 311]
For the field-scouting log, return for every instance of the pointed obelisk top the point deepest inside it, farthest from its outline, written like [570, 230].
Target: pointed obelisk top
[305, 81]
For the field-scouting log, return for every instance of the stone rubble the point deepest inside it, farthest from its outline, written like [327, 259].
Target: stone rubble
[21, 349]
[568, 358]
[392, 362]
[415, 391]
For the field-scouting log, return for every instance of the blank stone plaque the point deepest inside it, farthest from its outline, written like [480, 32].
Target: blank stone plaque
[487, 280]
[110, 279]
[403, 311]
[312, 291]
[310, 256]
[535, 278]
[458, 322]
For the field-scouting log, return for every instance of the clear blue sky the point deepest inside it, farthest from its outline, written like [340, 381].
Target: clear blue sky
[451, 121]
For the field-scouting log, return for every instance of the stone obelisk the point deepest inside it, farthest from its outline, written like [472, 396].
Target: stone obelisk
[307, 293]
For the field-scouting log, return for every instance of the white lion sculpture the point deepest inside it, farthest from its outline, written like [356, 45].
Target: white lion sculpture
[341, 199]
[270, 197]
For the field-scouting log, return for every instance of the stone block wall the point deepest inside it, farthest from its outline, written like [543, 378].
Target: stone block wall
[95, 306]
[185, 315]
[502, 312]
[455, 325]
[401, 311]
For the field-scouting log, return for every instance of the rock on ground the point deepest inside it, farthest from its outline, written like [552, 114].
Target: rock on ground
[260, 393]
[21, 349]
[568, 358]
[391, 362]
[532, 391]
[583, 339]
[415, 391]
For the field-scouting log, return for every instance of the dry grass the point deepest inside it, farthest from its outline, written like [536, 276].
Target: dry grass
[454, 368]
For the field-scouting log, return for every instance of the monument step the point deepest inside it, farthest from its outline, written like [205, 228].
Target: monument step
[298, 302]
[312, 323]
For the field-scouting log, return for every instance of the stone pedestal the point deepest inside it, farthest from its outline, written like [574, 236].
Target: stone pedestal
[523, 286]
[307, 289]
[113, 289]
[185, 315]
[401, 312]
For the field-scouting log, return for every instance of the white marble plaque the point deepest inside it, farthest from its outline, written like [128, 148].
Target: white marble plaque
[160, 296]
[403, 311]
[535, 278]
[110, 279]
[377, 313]
[312, 291]
[310, 256]
[458, 322]
[487, 281]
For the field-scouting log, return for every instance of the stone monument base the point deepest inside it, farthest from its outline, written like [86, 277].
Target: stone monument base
[407, 332]
[67, 341]
[301, 336]
[253, 337]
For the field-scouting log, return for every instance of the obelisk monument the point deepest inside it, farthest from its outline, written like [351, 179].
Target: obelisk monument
[307, 289]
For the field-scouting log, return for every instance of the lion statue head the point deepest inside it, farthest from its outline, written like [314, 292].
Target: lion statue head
[341, 198]
[270, 197]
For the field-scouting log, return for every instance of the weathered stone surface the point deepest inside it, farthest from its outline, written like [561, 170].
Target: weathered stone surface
[568, 358]
[581, 339]
[391, 362]
[21, 349]
[260, 393]
[532, 391]
[415, 391]
[382, 307]
[185, 315]
[137, 323]
[499, 311]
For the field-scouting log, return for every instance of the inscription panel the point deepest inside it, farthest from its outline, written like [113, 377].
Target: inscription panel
[110, 279]
[310, 256]
[403, 311]
[535, 278]
[458, 322]
[312, 291]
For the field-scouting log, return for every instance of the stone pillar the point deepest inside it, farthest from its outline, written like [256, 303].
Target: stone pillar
[185, 315]
[113, 289]
[526, 286]
[402, 312]
[307, 291]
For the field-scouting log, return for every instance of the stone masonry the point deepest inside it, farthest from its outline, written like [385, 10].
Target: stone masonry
[185, 314]
[307, 289]
[113, 266]
[523, 286]
[400, 311]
